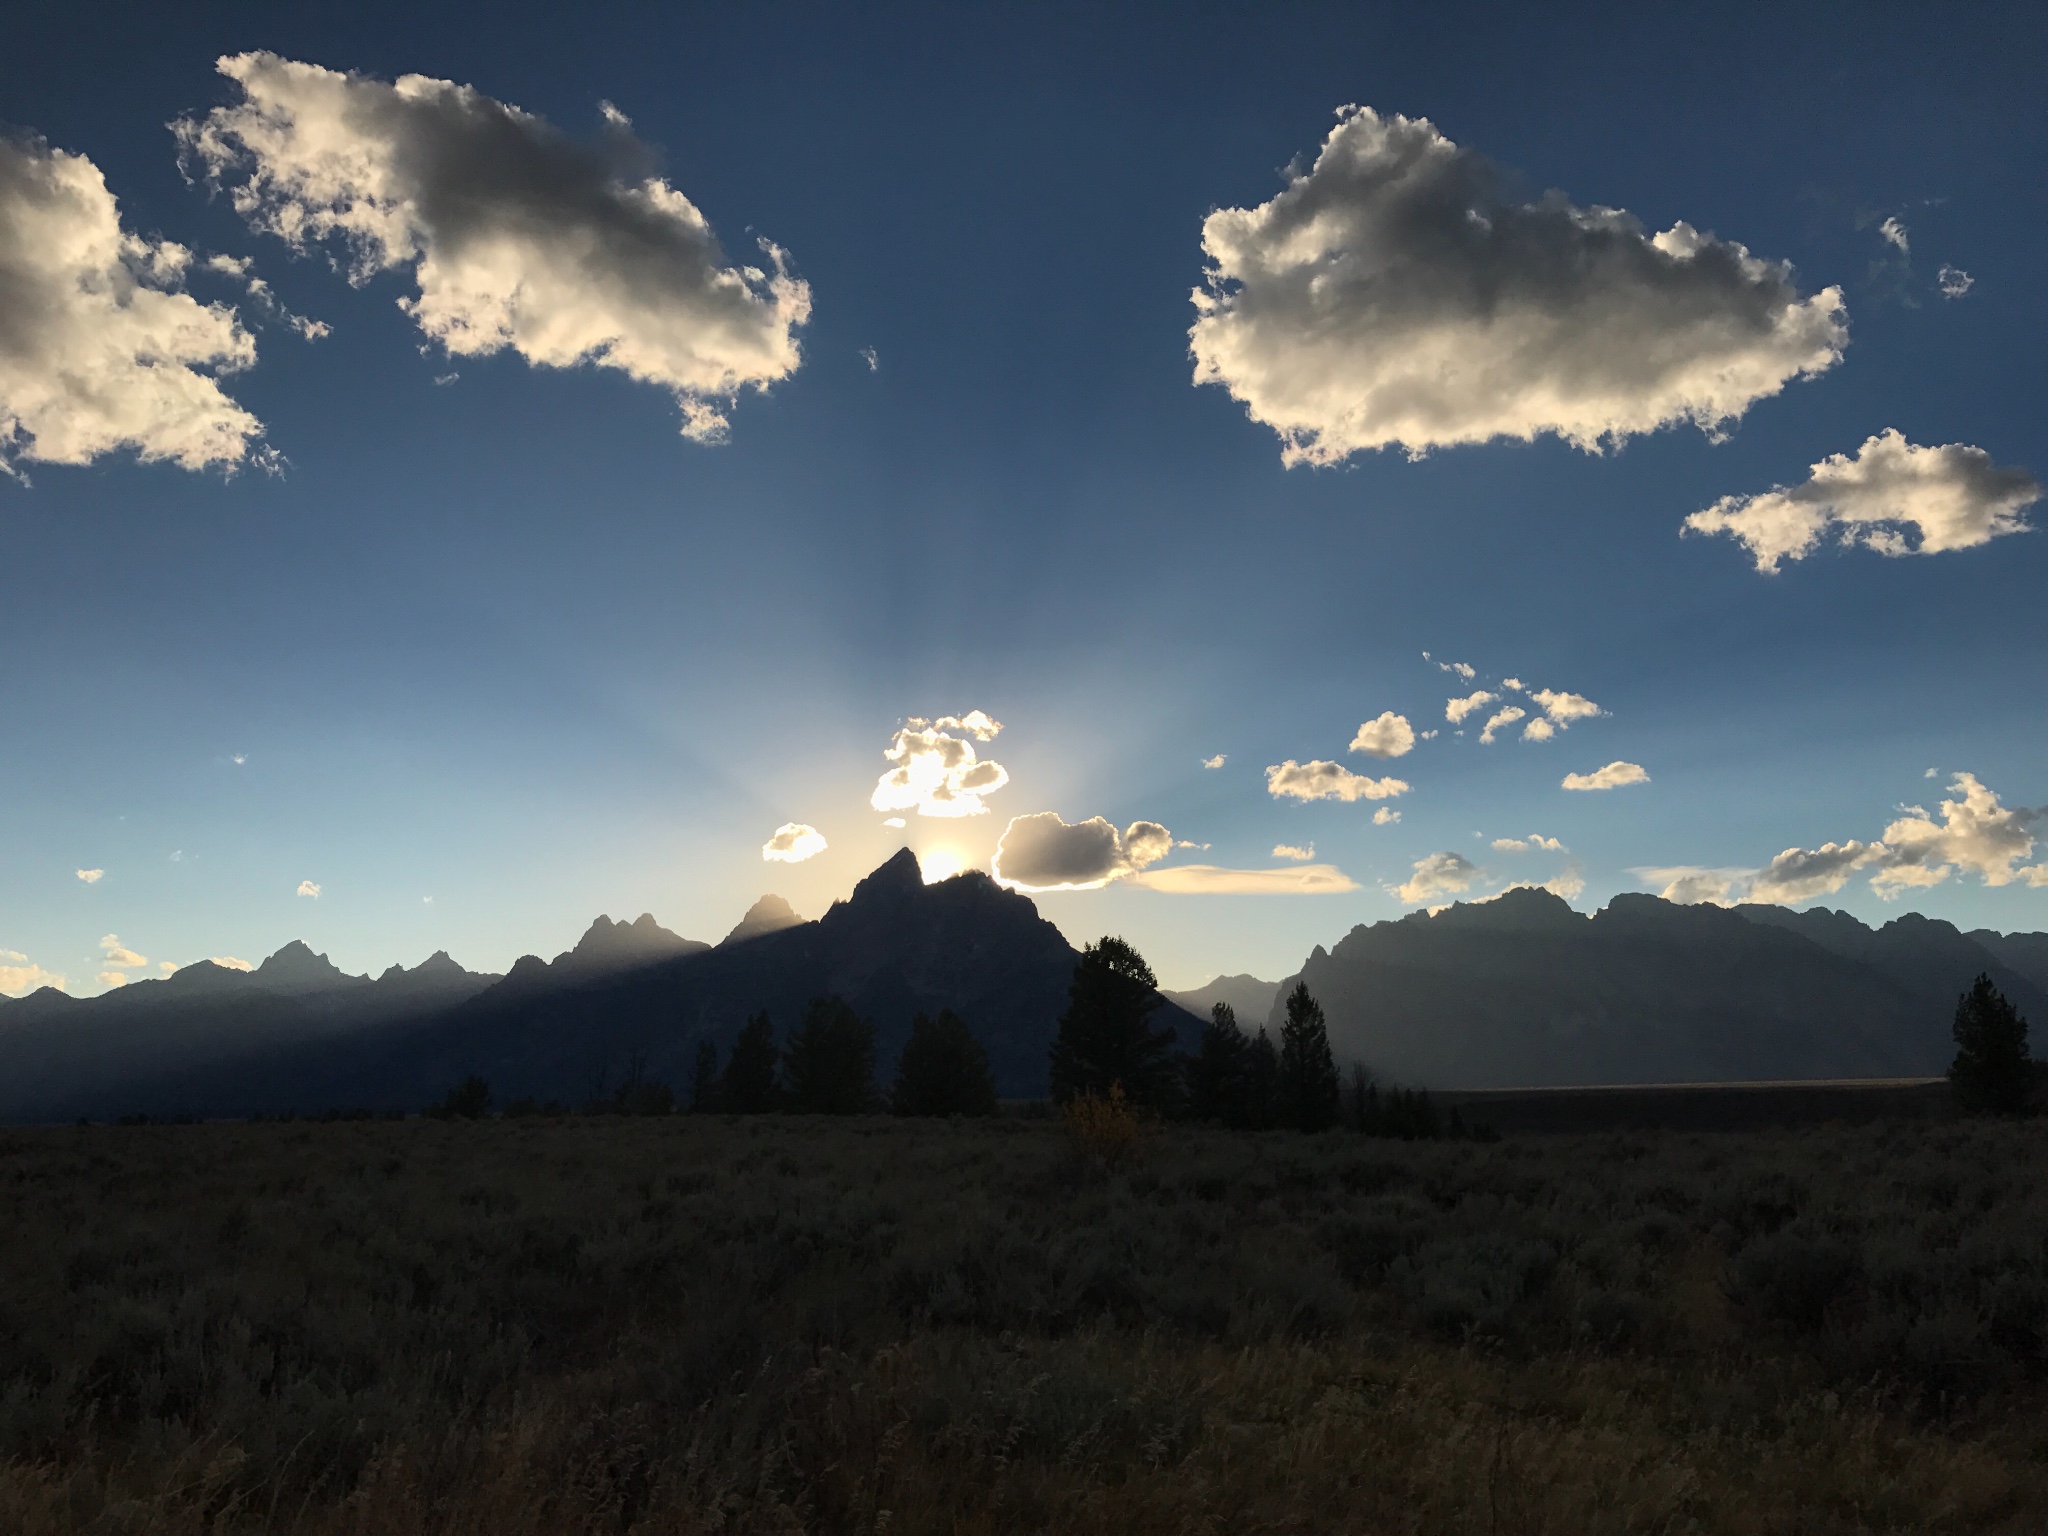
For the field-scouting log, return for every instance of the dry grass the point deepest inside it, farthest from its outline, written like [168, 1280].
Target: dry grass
[782, 1325]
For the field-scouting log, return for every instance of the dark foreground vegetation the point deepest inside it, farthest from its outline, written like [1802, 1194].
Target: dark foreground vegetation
[777, 1323]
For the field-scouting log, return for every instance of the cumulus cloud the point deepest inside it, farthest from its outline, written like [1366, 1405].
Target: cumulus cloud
[1561, 709]
[229, 962]
[792, 843]
[1289, 851]
[114, 953]
[1973, 833]
[1569, 885]
[1534, 841]
[1954, 282]
[308, 888]
[1210, 880]
[1506, 716]
[1318, 780]
[1613, 776]
[1042, 852]
[111, 979]
[1213, 762]
[1895, 234]
[100, 349]
[1538, 729]
[1394, 294]
[1389, 736]
[1385, 816]
[1439, 875]
[19, 977]
[937, 772]
[1890, 496]
[1464, 669]
[92, 876]
[894, 821]
[516, 237]
[1455, 710]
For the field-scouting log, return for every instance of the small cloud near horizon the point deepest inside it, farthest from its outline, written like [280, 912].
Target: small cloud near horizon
[1613, 776]
[92, 876]
[308, 888]
[792, 843]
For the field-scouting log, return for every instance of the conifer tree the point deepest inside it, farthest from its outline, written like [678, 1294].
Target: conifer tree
[1308, 1086]
[1991, 1072]
[1103, 1036]
[829, 1064]
[748, 1086]
[1262, 1081]
[943, 1070]
[1219, 1073]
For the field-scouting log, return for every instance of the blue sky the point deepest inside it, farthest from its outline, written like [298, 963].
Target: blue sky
[512, 643]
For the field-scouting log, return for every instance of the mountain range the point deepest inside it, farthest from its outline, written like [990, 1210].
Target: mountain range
[1517, 991]
[1523, 991]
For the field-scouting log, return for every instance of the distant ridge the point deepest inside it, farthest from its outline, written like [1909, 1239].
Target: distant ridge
[771, 914]
[1522, 991]
[1249, 998]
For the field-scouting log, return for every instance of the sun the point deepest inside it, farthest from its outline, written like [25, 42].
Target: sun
[942, 862]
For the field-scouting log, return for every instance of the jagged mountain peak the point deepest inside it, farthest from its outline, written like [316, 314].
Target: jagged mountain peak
[607, 945]
[297, 968]
[771, 914]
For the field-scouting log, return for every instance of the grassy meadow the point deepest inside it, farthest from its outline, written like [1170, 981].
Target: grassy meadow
[787, 1323]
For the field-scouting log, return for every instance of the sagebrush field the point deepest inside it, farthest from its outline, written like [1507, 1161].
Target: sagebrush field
[697, 1323]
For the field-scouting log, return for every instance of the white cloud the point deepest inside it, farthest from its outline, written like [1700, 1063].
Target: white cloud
[566, 253]
[308, 888]
[1895, 233]
[1534, 841]
[111, 979]
[240, 758]
[166, 967]
[1455, 710]
[894, 821]
[1954, 282]
[1463, 669]
[1538, 729]
[99, 348]
[1394, 295]
[1506, 716]
[1389, 736]
[1613, 776]
[1563, 708]
[1042, 852]
[1210, 880]
[792, 843]
[1440, 874]
[1891, 496]
[867, 355]
[1691, 885]
[1385, 816]
[1569, 886]
[114, 953]
[1289, 851]
[938, 773]
[1512, 682]
[229, 962]
[18, 977]
[92, 876]
[1800, 874]
[1975, 834]
[1429, 735]
[1318, 780]
[1213, 762]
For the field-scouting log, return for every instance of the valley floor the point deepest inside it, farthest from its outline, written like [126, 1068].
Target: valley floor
[780, 1324]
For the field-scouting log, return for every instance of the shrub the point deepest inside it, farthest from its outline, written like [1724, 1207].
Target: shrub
[469, 1099]
[1105, 1127]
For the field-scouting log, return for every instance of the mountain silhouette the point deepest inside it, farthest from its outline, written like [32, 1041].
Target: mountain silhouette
[770, 914]
[1523, 991]
[1249, 998]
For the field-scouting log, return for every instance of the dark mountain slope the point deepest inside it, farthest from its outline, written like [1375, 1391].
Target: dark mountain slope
[1523, 991]
[163, 1045]
[895, 948]
[2026, 953]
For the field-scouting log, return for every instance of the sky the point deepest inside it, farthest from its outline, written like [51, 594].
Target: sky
[466, 472]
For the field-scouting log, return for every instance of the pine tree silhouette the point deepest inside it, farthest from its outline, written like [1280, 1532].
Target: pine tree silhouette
[829, 1064]
[748, 1086]
[1991, 1072]
[943, 1070]
[1103, 1037]
[1308, 1086]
